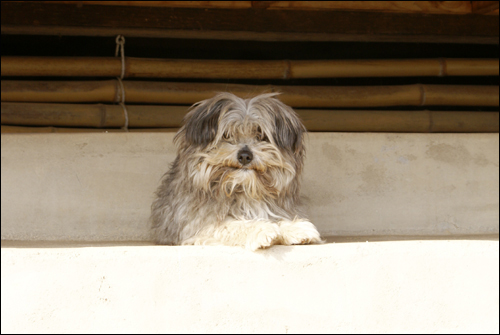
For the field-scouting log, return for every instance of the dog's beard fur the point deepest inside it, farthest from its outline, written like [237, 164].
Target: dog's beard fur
[236, 178]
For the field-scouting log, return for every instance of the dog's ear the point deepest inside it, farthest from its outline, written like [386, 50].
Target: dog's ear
[202, 122]
[289, 130]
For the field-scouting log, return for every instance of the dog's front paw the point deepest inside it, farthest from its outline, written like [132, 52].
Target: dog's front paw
[299, 232]
[265, 234]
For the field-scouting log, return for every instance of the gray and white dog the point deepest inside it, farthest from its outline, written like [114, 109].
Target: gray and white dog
[236, 178]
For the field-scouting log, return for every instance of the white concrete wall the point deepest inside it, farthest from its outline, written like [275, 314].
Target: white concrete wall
[68, 188]
[99, 187]
[376, 287]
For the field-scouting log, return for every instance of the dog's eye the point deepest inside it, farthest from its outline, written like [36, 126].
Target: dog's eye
[226, 136]
[261, 136]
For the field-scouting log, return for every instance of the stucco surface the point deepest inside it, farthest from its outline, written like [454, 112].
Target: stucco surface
[392, 188]
[374, 287]
[99, 187]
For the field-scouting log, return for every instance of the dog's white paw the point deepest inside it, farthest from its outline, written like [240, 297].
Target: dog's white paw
[299, 232]
[265, 235]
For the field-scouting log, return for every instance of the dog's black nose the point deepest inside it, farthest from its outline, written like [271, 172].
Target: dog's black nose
[245, 156]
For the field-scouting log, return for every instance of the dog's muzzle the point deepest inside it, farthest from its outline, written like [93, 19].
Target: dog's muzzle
[245, 156]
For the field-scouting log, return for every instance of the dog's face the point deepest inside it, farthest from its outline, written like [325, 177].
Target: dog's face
[235, 146]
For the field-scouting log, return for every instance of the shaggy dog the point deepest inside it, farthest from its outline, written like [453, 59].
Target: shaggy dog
[236, 178]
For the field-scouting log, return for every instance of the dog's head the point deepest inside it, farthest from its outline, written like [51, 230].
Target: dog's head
[254, 146]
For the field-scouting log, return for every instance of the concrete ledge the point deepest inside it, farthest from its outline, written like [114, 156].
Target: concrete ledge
[99, 187]
[375, 287]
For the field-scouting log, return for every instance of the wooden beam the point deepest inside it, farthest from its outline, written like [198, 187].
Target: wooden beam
[423, 7]
[187, 4]
[243, 69]
[44, 130]
[109, 116]
[485, 7]
[295, 96]
[91, 115]
[246, 24]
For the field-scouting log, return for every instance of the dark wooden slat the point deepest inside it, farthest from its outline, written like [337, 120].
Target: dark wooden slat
[106, 116]
[484, 7]
[248, 69]
[295, 96]
[250, 24]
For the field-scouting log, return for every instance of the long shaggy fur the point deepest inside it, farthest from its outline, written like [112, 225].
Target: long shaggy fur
[236, 178]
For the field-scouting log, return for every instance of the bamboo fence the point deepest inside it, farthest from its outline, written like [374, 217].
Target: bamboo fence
[53, 106]
[108, 91]
[243, 69]
[169, 118]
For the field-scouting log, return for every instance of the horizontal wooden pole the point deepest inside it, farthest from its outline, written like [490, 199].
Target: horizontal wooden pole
[424, 7]
[400, 121]
[109, 116]
[91, 115]
[245, 24]
[24, 130]
[295, 96]
[243, 69]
